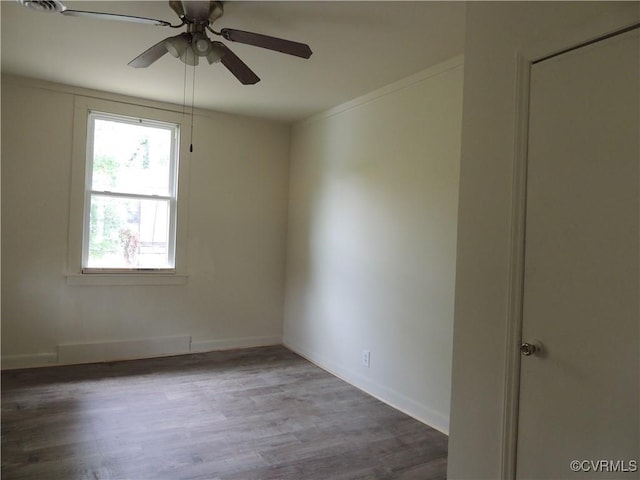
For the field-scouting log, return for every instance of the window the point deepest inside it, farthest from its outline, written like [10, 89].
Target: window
[130, 205]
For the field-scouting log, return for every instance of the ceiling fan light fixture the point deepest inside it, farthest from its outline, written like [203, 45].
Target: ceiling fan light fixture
[188, 57]
[43, 5]
[177, 45]
[201, 44]
[215, 54]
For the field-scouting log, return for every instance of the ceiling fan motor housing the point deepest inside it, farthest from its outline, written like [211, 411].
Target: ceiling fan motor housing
[43, 5]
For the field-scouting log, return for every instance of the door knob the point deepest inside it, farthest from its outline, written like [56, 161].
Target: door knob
[528, 349]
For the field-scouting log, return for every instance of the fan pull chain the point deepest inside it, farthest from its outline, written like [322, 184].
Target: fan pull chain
[193, 95]
[184, 98]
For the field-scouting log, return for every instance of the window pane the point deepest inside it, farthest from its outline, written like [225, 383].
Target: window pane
[130, 158]
[128, 233]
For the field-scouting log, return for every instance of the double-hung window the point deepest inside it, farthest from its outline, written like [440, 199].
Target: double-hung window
[130, 204]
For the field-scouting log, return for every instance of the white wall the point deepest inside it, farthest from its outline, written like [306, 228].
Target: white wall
[371, 240]
[497, 35]
[237, 194]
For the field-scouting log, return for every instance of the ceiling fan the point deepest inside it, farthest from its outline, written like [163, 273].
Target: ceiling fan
[190, 45]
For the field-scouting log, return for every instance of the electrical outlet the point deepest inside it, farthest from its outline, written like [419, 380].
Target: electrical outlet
[366, 357]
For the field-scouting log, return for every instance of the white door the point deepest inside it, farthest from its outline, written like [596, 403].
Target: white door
[579, 392]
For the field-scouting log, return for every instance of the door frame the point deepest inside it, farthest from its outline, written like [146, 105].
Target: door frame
[511, 390]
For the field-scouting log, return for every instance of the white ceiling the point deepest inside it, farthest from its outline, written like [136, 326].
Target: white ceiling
[357, 47]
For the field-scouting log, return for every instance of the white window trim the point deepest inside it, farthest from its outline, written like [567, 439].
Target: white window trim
[78, 194]
[102, 280]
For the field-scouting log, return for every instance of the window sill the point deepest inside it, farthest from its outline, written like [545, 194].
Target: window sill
[124, 279]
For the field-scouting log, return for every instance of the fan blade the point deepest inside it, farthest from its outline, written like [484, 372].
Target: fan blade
[265, 41]
[237, 66]
[196, 9]
[115, 16]
[149, 56]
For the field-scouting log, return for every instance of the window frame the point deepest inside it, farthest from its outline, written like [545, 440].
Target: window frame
[172, 198]
[79, 208]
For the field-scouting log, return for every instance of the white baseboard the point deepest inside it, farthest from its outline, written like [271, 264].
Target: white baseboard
[389, 396]
[94, 352]
[91, 352]
[231, 343]
[12, 362]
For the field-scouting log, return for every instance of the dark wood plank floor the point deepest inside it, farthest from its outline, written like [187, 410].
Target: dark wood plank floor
[262, 413]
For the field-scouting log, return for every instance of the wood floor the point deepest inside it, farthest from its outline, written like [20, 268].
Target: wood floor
[262, 413]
